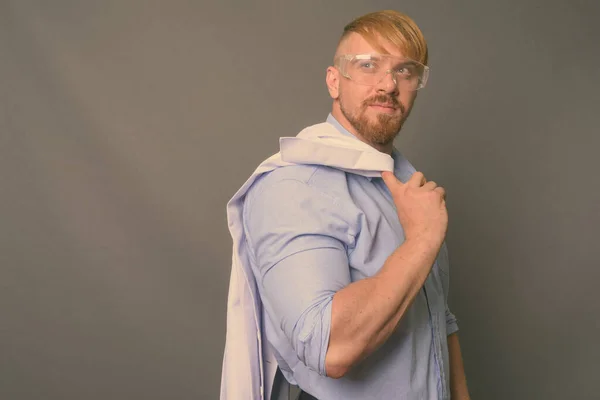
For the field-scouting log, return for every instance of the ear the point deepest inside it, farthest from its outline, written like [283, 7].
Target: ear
[333, 82]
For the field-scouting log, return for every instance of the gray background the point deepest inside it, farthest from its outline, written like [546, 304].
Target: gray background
[126, 126]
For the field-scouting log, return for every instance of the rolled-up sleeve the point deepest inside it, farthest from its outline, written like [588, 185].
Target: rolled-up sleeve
[298, 238]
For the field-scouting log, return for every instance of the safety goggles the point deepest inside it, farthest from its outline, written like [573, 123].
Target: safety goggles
[371, 69]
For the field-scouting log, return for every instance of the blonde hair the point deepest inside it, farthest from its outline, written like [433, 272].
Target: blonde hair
[393, 26]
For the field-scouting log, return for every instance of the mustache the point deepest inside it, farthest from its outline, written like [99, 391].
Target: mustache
[383, 99]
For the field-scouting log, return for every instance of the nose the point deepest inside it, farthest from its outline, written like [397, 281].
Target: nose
[388, 83]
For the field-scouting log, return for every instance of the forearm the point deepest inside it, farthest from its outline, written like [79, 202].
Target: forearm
[366, 312]
[458, 380]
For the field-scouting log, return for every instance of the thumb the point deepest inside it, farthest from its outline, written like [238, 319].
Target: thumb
[390, 179]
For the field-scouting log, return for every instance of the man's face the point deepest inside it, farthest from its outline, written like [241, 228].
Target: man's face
[373, 112]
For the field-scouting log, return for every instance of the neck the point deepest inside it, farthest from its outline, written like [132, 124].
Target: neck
[342, 120]
[384, 148]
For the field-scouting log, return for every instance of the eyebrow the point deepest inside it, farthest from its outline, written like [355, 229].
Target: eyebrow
[408, 63]
[378, 57]
[367, 57]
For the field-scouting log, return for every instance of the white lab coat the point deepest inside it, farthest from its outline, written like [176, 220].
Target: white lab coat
[249, 366]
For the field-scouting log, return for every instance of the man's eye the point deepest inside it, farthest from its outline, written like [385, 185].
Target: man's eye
[368, 65]
[406, 70]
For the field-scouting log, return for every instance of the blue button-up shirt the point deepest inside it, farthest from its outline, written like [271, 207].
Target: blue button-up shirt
[311, 231]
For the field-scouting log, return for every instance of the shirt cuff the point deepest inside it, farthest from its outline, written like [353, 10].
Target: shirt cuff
[312, 345]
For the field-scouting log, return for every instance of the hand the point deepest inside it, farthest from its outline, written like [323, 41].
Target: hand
[421, 207]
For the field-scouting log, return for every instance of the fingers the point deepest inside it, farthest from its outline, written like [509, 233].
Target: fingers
[390, 179]
[417, 180]
[441, 191]
[430, 185]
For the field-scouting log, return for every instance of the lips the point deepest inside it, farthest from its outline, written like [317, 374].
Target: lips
[384, 105]
[384, 108]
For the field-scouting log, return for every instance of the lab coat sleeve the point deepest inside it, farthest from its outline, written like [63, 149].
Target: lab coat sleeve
[298, 238]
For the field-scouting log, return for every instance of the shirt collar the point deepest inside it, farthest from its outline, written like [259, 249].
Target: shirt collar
[333, 121]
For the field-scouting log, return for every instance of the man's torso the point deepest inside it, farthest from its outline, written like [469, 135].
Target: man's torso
[412, 364]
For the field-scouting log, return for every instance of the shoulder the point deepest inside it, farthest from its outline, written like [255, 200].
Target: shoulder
[288, 183]
[299, 198]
